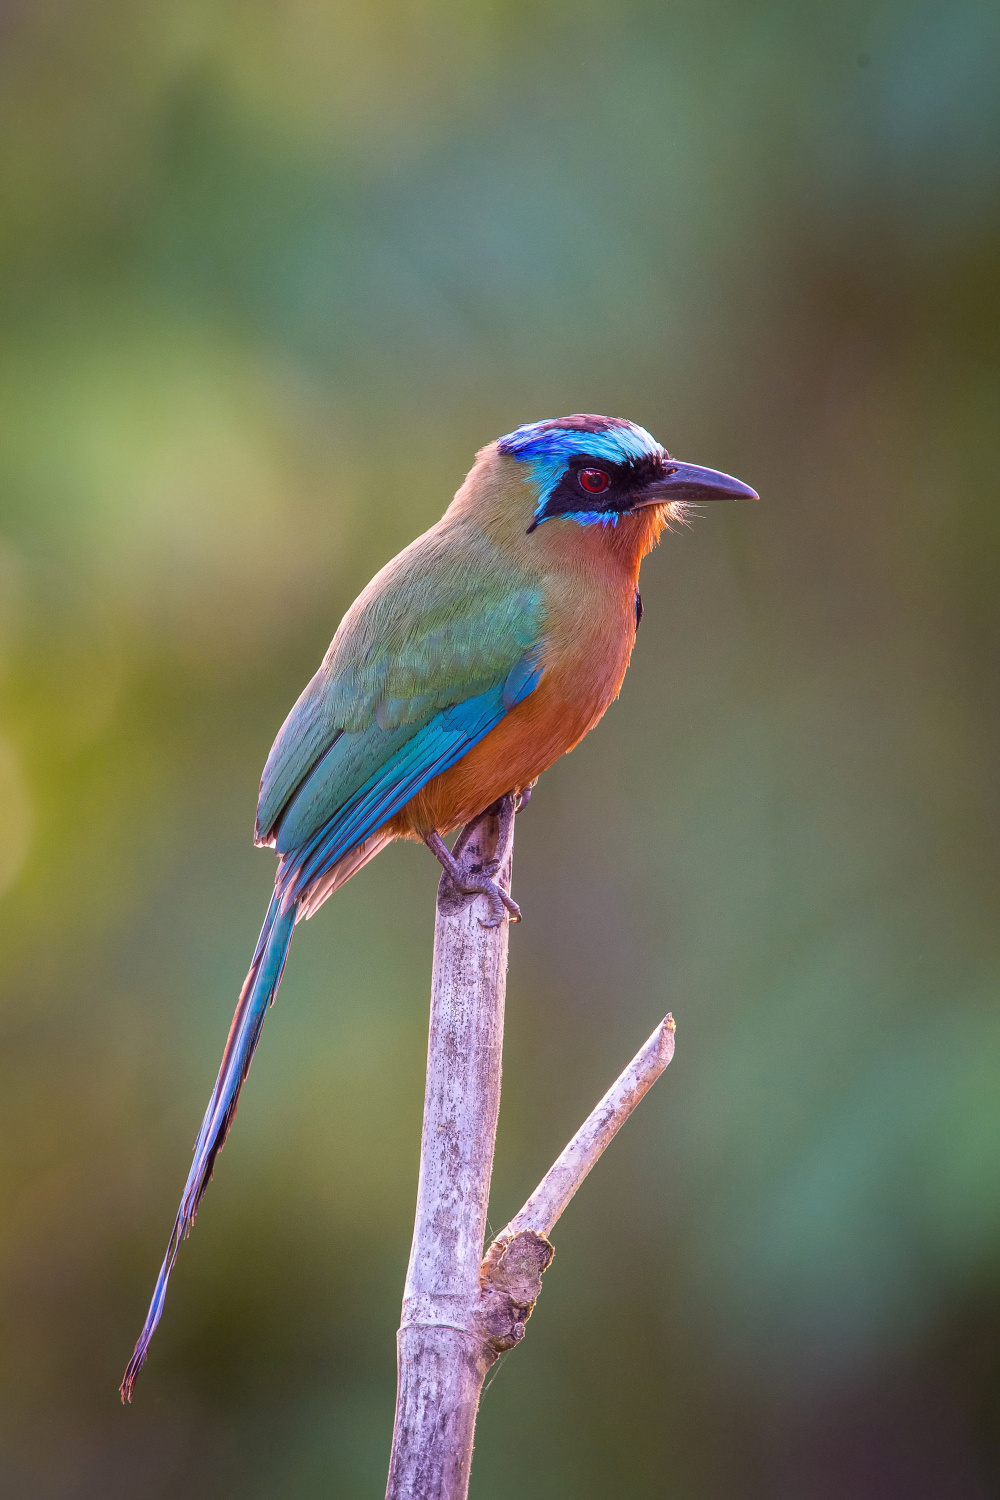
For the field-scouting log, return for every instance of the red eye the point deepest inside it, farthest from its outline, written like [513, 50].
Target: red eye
[594, 481]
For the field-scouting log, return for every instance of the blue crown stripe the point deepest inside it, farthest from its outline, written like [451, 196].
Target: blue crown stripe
[547, 447]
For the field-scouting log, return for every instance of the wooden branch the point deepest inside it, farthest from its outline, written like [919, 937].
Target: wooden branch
[513, 1264]
[460, 1311]
[443, 1355]
[596, 1133]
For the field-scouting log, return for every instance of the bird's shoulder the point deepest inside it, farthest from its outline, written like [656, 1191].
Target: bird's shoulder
[451, 613]
[446, 619]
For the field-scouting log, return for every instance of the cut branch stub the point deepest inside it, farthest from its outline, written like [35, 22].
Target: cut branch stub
[512, 1268]
[598, 1130]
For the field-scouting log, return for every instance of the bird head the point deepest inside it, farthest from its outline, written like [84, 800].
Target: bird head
[599, 471]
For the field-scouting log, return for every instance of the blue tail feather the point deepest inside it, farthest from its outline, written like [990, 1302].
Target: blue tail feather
[258, 992]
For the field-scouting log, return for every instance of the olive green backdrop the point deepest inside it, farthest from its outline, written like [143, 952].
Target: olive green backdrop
[269, 275]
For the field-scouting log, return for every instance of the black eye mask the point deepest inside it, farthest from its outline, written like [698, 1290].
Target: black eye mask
[628, 480]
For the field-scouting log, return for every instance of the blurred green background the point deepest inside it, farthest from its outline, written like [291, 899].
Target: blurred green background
[270, 275]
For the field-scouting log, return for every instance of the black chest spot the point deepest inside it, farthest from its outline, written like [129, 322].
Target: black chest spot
[638, 609]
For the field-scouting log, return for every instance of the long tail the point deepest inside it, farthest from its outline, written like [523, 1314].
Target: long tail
[259, 989]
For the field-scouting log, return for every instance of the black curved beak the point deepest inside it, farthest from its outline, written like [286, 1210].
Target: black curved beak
[689, 482]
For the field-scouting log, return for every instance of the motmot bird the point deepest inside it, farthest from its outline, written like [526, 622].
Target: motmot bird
[487, 649]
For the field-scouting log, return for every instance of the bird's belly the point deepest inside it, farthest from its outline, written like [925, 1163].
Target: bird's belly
[571, 697]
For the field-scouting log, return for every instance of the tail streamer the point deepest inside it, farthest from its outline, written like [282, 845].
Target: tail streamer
[257, 994]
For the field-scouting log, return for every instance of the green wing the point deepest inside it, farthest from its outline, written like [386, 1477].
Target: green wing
[434, 628]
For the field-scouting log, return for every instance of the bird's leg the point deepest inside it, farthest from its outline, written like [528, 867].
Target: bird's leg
[465, 834]
[479, 882]
[503, 811]
[495, 810]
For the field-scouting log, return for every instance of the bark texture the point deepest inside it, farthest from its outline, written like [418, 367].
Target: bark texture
[444, 1351]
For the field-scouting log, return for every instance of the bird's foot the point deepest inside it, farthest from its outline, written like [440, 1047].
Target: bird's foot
[480, 882]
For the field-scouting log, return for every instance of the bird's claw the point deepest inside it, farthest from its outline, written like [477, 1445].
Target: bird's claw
[483, 884]
[481, 881]
[500, 903]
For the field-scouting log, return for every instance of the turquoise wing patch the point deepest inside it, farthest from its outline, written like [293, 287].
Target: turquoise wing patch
[433, 749]
[390, 670]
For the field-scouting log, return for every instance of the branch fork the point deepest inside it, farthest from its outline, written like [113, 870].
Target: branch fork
[461, 1308]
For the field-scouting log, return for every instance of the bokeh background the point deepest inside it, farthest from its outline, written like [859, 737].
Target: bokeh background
[270, 275]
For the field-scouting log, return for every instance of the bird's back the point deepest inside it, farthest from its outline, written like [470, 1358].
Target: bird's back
[445, 620]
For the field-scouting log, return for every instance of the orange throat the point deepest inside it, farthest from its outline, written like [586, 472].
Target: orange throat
[637, 534]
